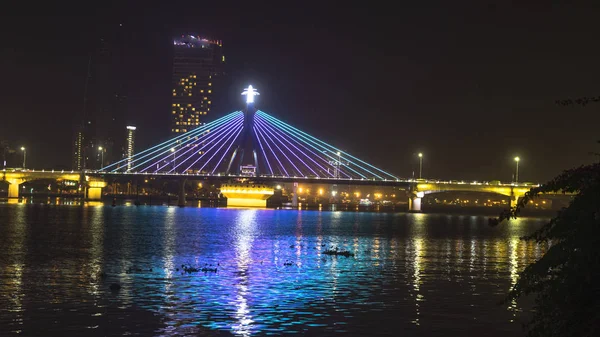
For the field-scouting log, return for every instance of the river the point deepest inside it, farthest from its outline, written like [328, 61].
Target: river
[410, 274]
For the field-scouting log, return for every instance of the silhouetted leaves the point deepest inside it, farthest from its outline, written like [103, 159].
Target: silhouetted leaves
[583, 101]
[566, 279]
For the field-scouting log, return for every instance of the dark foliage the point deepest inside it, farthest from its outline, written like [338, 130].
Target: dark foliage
[565, 280]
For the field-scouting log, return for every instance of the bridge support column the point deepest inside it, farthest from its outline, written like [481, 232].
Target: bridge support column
[13, 188]
[295, 195]
[94, 190]
[414, 202]
[513, 200]
[181, 202]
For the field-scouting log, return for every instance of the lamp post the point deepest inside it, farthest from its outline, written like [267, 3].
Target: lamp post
[101, 149]
[24, 155]
[517, 159]
[173, 151]
[337, 171]
[420, 165]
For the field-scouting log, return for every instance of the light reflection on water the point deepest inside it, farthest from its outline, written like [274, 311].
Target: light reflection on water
[421, 273]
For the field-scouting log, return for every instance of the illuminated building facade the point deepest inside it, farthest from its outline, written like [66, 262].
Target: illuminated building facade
[197, 63]
[78, 150]
[130, 150]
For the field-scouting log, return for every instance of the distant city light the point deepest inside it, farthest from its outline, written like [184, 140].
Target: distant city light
[250, 92]
[131, 127]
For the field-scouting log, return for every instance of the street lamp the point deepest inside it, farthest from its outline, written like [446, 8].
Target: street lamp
[517, 159]
[420, 165]
[337, 171]
[173, 150]
[24, 155]
[101, 149]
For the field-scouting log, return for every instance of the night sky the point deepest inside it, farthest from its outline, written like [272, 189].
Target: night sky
[470, 86]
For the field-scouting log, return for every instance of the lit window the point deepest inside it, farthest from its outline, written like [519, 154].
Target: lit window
[173, 112]
[193, 109]
[176, 123]
[189, 104]
[223, 58]
[190, 94]
[174, 94]
[174, 104]
[208, 102]
[210, 91]
[205, 98]
[209, 84]
[201, 91]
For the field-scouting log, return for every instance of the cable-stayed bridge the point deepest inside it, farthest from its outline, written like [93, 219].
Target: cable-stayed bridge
[249, 151]
[250, 145]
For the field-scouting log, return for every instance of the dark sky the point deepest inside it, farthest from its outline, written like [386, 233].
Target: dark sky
[470, 86]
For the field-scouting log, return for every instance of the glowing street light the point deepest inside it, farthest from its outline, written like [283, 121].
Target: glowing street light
[250, 92]
[173, 151]
[517, 159]
[420, 165]
[337, 170]
[101, 149]
[24, 155]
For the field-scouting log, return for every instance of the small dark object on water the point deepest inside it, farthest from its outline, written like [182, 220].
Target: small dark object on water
[210, 270]
[337, 252]
[115, 287]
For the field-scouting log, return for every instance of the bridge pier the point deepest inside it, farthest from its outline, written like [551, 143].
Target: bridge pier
[295, 195]
[94, 190]
[181, 202]
[414, 204]
[13, 189]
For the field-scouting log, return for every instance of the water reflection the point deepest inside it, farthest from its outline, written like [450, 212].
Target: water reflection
[415, 272]
[244, 236]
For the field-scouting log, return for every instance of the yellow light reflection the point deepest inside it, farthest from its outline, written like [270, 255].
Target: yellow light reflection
[246, 228]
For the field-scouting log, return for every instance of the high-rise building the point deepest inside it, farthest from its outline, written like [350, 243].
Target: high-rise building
[197, 63]
[103, 117]
[130, 150]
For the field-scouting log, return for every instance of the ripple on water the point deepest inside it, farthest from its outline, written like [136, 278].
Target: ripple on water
[422, 273]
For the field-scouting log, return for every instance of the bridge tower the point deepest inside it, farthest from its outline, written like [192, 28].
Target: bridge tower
[244, 160]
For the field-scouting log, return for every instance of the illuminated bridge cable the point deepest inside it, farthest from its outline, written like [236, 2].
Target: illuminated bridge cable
[310, 143]
[320, 148]
[225, 153]
[319, 156]
[301, 142]
[200, 129]
[281, 167]
[325, 149]
[279, 139]
[166, 153]
[229, 132]
[291, 141]
[174, 143]
[180, 148]
[292, 129]
[263, 150]
[280, 150]
[227, 141]
[217, 141]
[216, 132]
[200, 141]
[190, 147]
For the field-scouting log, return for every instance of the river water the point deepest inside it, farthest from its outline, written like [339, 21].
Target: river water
[411, 274]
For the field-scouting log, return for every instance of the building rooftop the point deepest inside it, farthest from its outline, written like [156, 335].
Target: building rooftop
[194, 41]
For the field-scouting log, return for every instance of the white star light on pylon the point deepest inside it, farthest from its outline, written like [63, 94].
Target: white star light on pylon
[250, 92]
